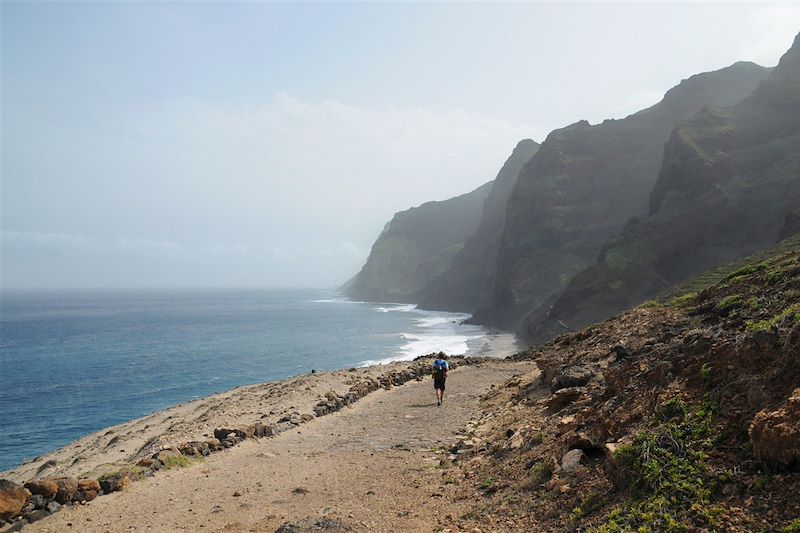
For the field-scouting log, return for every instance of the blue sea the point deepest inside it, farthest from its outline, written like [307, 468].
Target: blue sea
[74, 363]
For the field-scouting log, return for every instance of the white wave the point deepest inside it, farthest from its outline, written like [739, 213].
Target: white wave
[400, 308]
[334, 301]
[433, 321]
[436, 332]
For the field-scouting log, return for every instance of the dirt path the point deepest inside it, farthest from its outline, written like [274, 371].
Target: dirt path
[372, 466]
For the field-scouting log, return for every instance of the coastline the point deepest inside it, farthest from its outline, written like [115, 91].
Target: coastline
[497, 344]
[113, 447]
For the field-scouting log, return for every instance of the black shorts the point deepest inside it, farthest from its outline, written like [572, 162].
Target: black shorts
[438, 383]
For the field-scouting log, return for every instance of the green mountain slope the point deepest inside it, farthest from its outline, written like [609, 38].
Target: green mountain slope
[464, 285]
[583, 185]
[729, 185]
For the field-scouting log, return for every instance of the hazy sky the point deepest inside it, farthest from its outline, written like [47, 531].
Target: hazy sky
[232, 144]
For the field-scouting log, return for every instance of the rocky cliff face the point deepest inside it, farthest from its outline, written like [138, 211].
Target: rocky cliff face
[465, 284]
[418, 245]
[728, 184]
[581, 188]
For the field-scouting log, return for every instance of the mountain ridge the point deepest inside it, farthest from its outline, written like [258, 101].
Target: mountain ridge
[583, 186]
[729, 185]
[462, 286]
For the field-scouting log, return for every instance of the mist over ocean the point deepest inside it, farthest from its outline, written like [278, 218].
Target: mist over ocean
[72, 363]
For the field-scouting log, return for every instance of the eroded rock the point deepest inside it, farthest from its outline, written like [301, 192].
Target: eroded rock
[571, 376]
[67, 487]
[45, 487]
[115, 483]
[13, 498]
[571, 460]
[775, 435]
[88, 489]
[165, 456]
[564, 397]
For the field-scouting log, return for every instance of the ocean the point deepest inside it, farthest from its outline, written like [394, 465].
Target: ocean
[74, 363]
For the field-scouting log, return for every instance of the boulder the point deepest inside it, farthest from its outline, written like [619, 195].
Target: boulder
[88, 489]
[164, 456]
[214, 444]
[38, 501]
[45, 487]
[587, 441]
[115, 483]
[13, 498]
[571, 376]
[563, 397]
[53, 507]
[67, 487]
[571, 460]
[775, 435]
[149, 462]
[262, 430]
[244, 432]
[194, 448]
[222, 433]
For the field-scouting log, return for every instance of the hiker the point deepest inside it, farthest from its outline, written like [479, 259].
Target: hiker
[440, 368]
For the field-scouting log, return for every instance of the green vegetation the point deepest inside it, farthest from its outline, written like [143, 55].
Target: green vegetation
[705, 374]
[670, 482]
[540, 473]
[134, 472]
[791, 315]
[746, 271]
[729, 303]
[536, 438]
[683, 300]
[793, 527]
[487, 483]
[181, 461]
[686, 292]
[588, 506]
[672, 408]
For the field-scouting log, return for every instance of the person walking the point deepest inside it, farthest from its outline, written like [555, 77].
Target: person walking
[440, 368]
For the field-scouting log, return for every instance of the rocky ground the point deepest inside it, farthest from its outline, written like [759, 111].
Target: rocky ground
[680, 415]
